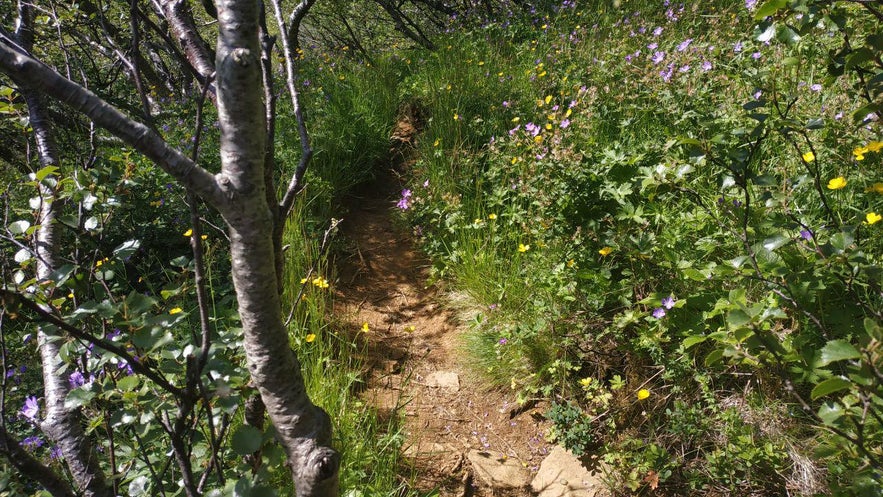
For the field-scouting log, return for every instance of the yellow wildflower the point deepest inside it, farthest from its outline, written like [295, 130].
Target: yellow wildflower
[365, 327]
[872, 217]
[548, 99]
[548, 127]
[837, 183]
[410, 328]
[542, 74]
[516, 119]
[876, 188]
[320, 282]
[188, 232]
[175, 310]
[859, 152]
[456, 117]
[538, 139]
[437, 141]
[875, 146]
[568, 113]
[643, 394]
[310, 338]
[204, 237]
[605, 251]
[523, 248]
[303, 280]
[809, 156]
[491, 216]
[585, 381]
[571, 263]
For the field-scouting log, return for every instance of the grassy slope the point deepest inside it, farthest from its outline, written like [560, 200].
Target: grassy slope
[581, 168]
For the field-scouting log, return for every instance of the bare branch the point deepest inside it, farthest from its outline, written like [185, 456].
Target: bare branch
[29, 72]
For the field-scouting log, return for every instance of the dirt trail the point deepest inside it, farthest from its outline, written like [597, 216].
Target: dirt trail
[418, 367]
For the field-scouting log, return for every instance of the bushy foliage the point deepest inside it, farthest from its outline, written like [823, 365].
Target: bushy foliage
[665, 219]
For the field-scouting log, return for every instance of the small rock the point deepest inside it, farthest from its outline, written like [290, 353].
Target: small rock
[444, 379]
[561, 474]
[497, 472]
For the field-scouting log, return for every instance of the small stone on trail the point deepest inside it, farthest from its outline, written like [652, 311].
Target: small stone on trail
[444, 379]
[497, 472]
[561, 474]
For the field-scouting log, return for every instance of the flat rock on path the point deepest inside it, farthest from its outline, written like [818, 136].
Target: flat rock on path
[563, 475]
[418, 370]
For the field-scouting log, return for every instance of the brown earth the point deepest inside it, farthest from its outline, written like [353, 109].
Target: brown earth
[419, 370]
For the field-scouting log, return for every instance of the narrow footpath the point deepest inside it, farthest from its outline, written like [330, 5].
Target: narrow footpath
[462, 437]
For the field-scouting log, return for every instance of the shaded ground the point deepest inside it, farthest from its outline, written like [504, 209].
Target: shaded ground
[418, 367]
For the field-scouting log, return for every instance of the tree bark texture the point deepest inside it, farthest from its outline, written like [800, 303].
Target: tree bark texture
[302, 428]
[62, 425]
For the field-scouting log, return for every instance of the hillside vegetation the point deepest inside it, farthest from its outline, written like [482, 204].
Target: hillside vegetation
[664, 219]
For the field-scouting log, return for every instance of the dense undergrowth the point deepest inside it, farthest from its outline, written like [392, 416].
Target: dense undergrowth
[664, 219]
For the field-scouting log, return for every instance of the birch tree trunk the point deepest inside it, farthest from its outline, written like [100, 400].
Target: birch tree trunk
[302, 428]
[238, 193]
[62, 425]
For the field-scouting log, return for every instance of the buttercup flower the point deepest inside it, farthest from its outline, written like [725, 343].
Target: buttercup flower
[492, 216]
[809, 156]
[872, 217]
[523, 248]
[365, 327]
[188, 232]
[175, 310]
[310, 338]
[876, 188]
[642, 394]
[585, 382]
[605, 251]
[837, 183]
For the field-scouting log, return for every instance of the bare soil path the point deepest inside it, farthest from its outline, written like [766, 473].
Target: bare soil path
[419, 370]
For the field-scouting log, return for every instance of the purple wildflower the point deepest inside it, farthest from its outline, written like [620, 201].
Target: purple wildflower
[657, 31]
[532, 128]
[31, 408]
[707, 66]
[76, 379]
[503, 341]
[659, 313]
[750, 4]
[684, 44]
[565, 123]
[816, 87]
[668, 302]
[32, 442]
[405, 202]
[806, 234]
[658, 57]
[653, 46]
[55, 453]
[684, 68]
[756, 55]
[737, 47]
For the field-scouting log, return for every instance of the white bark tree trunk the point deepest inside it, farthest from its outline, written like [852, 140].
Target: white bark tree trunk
[238, 193]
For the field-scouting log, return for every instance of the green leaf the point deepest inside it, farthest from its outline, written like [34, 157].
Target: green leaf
[126, 249]
[830, 386]
[830, 412]
[78, 398]
[873, 329]
[776, 241]
[46, 171]
[769, 8]
[246, 440]
[714, 357]
[738, 318]
[838, 350]
[128, 383]
[139, 485]
[18, 227]
[693, 340]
